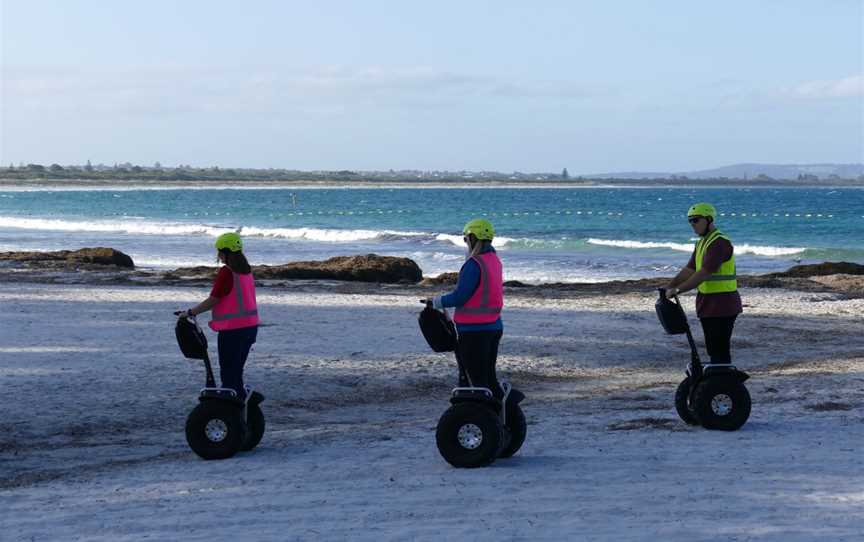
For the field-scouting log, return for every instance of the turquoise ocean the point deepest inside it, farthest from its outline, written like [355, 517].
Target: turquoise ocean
[543, 234]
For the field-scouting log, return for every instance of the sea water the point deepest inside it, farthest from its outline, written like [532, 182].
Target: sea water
[542, 234]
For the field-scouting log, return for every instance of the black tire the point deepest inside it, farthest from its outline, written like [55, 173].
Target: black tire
[682, 403]
[225, 433]
[477, 422]
[721, 403]
[254, 428]
[518, 428]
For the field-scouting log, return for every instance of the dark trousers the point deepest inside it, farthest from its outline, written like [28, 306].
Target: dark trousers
[234, 346]
[477, 353]
[718, 335]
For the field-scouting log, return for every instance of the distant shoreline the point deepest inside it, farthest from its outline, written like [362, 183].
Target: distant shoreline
[186, 184]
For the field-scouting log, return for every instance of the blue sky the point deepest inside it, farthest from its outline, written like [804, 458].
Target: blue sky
[591, 86]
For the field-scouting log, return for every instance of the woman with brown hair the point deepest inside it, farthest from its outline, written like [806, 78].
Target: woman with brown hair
[235, 311]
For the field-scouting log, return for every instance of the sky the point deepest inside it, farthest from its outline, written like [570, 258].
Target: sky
[593, 86]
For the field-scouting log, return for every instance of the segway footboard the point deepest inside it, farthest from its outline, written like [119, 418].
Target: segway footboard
[220, 394]
[472, 394]
[726, 371]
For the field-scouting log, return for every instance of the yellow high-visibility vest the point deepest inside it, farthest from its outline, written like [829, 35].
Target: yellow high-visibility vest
[724, 280]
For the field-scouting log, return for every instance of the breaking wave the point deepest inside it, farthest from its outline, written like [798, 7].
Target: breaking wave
[688, 247]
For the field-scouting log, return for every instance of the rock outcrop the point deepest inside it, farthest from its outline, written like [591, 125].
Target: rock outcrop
[366, 268]
[821, 269]
[443, 278]
[98, 256]
[106, 265]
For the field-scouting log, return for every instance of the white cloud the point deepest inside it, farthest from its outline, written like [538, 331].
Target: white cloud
[264, 90]
[848, 87]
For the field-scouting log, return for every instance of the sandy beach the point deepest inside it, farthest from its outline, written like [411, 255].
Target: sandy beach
[346, 160]
[92, 444]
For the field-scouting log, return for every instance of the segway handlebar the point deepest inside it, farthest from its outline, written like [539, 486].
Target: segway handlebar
[663, 295]
[189, 317]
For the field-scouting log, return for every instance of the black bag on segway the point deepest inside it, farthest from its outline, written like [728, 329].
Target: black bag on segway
[438, 330]
[671, 315]
[192, 341]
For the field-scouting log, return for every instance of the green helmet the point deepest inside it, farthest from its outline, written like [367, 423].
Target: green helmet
[482, 229]
[229, 241]
[702, 209]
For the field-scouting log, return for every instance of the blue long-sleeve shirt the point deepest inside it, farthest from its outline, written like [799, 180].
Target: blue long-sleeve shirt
[469, 281]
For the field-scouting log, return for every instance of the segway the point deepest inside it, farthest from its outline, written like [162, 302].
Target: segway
[475, 430]
[711, 395]
[222, 424]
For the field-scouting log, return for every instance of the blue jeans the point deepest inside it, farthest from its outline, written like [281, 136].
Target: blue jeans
[234, 346]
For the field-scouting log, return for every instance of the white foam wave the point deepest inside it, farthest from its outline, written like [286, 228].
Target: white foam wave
[457, 240]
[437, 256]
[768, 250]
[327, 235]
[682, 247]
[454, 239]
[157, 228]
[146, 228]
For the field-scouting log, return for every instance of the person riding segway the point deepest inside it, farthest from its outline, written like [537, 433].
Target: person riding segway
[227, 419]
[485, 420]
[712, 395]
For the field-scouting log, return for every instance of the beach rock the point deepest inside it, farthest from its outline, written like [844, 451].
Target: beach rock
[850, 284]
[201, 272]
[609, 287]
[443, 278]
[89, 256]
[821, 269]
[366, 268]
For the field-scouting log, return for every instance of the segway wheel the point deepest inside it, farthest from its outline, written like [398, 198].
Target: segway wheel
[214, 430]
[469, 435]
[721, 404]
[254, 428]
[682, 403]
[518, 428]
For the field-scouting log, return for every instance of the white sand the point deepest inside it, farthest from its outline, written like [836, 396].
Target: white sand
[96, 394]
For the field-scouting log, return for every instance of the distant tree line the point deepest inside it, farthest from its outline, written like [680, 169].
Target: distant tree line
[129, 172]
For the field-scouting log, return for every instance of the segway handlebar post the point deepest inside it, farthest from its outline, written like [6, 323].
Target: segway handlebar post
[694, 353]
[211, 380]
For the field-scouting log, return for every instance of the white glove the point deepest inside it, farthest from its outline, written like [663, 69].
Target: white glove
[436, 303]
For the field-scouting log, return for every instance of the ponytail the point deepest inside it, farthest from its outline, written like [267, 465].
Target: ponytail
[236, 261]
[479, 246]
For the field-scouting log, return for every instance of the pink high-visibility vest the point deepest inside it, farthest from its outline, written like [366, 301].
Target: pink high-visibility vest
[484, 306]
[237, 309]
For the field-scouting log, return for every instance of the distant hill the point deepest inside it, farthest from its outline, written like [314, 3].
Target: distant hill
[748, 171]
